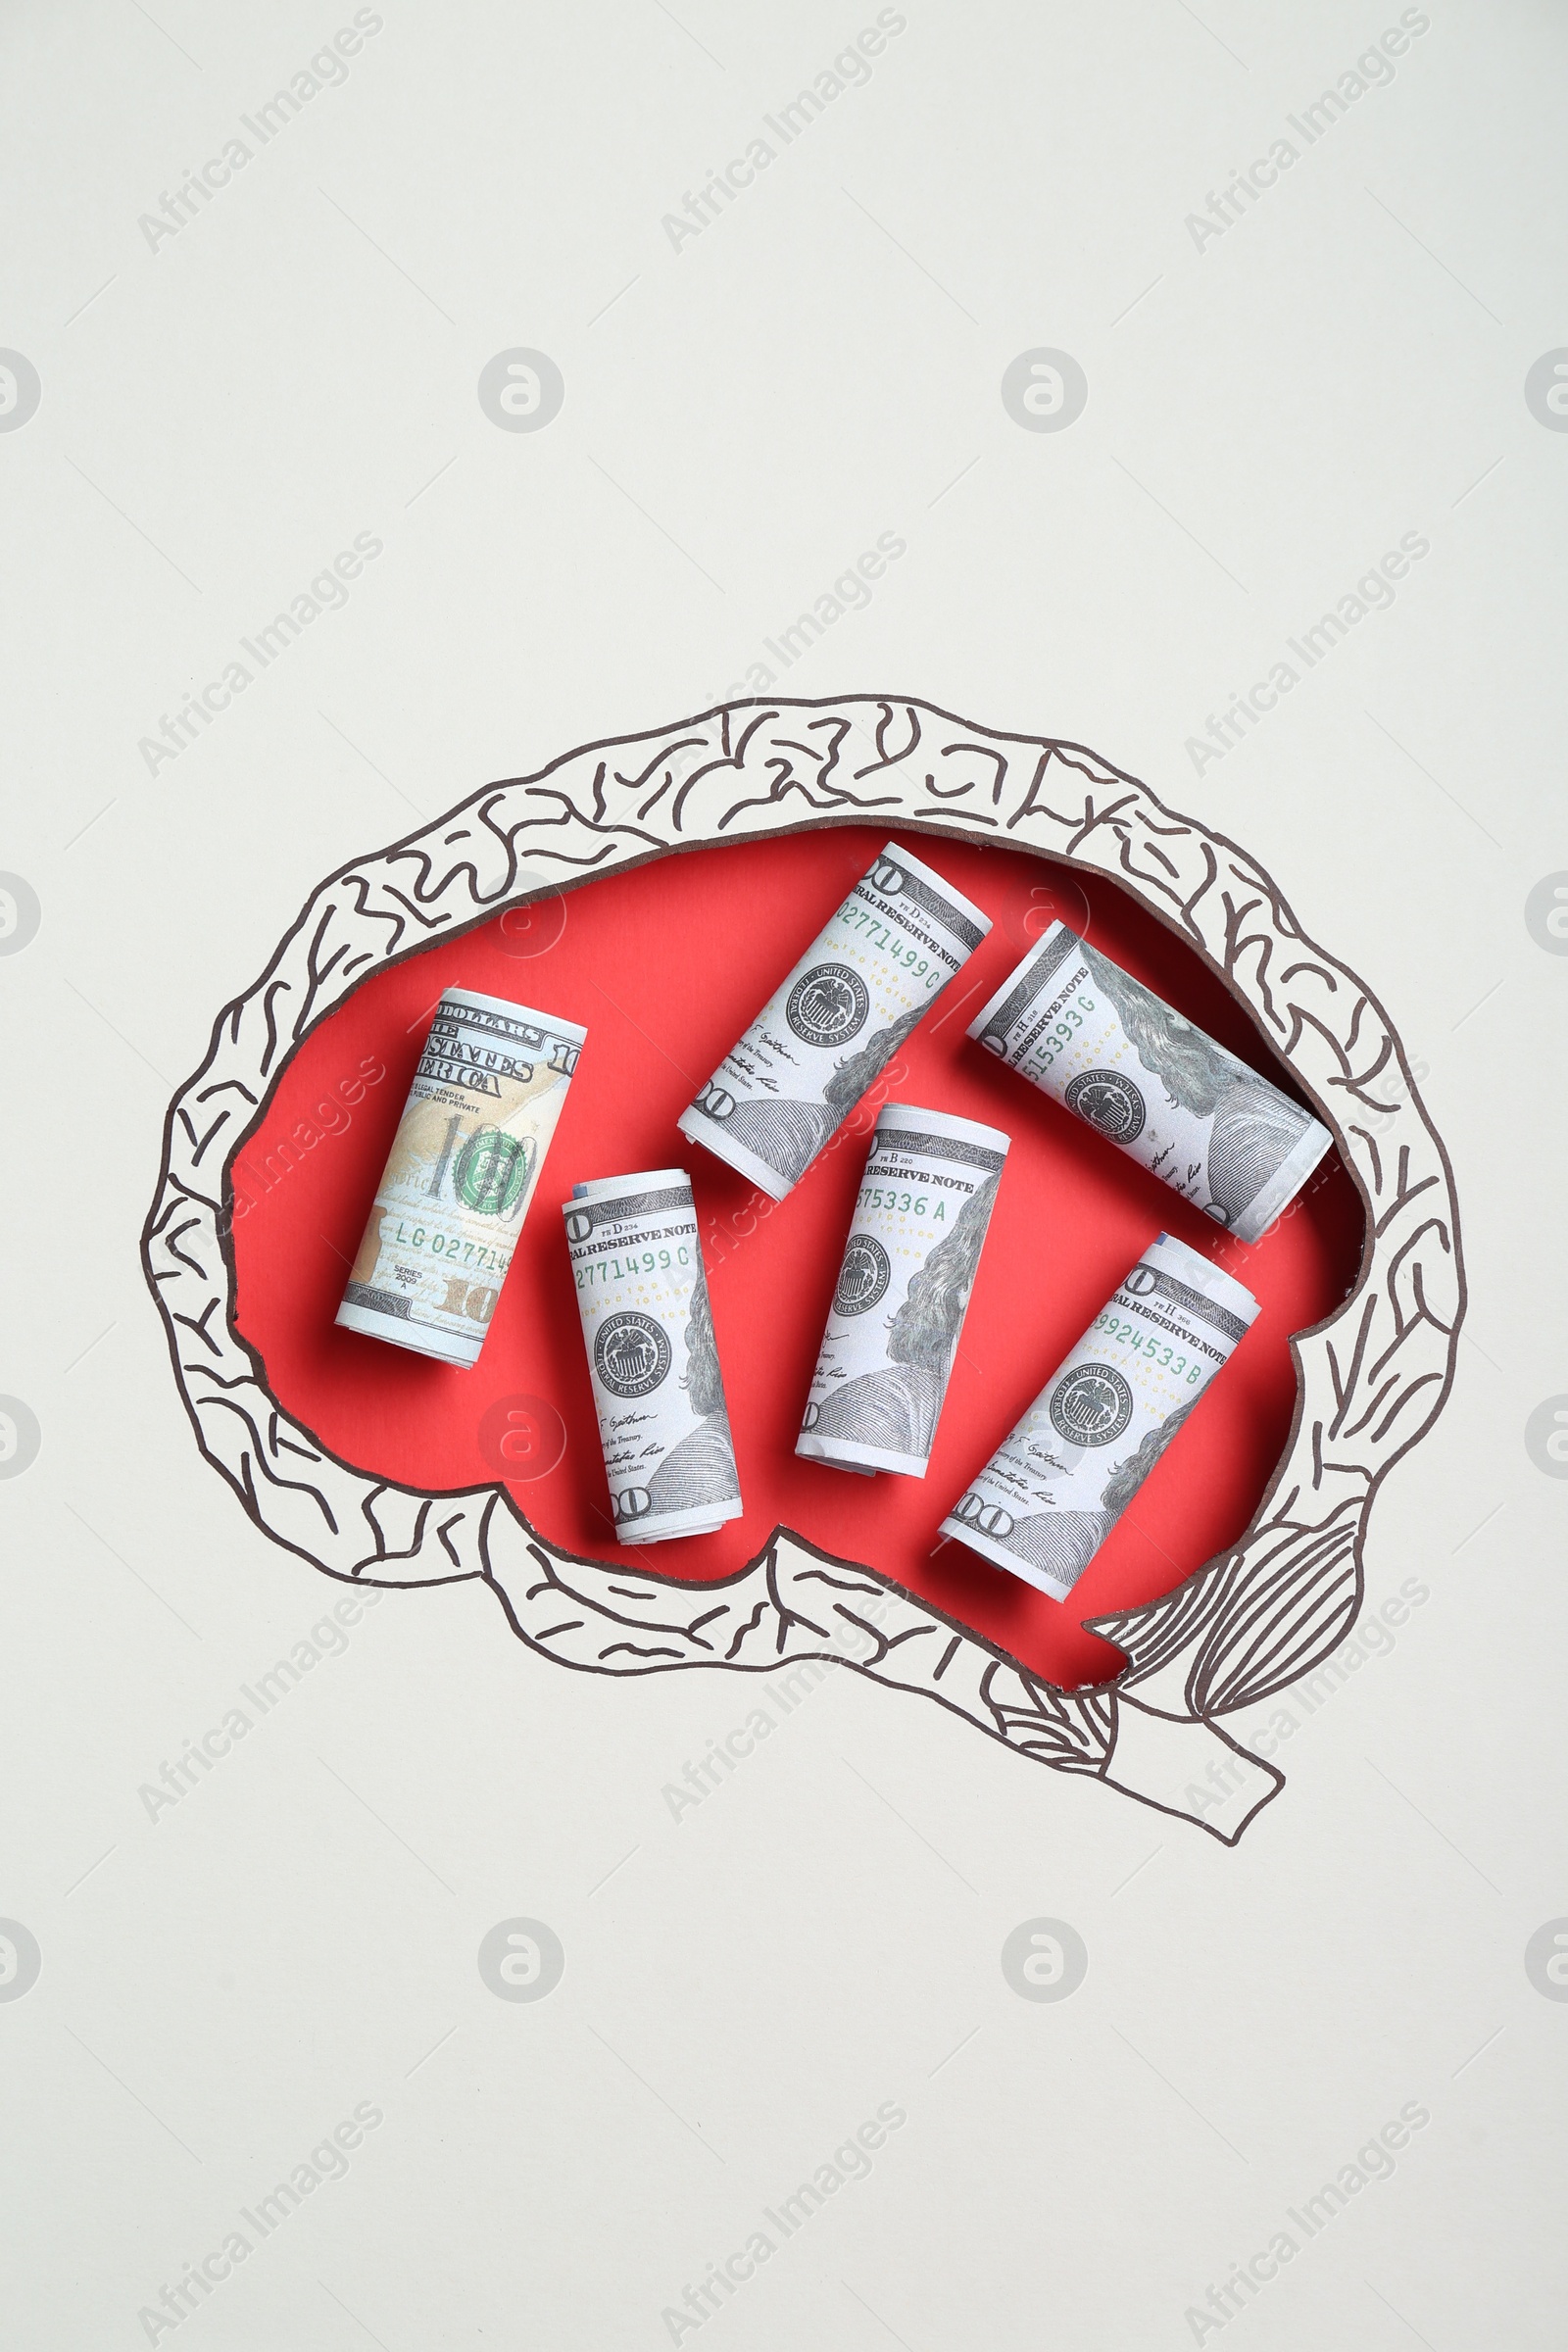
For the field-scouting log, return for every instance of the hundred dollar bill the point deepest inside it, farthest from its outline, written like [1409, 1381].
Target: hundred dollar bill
[835, 1021]
[651, 1355]
[1052, 1491]
[920, 1217]
[464, 1165]
[1094, 1039]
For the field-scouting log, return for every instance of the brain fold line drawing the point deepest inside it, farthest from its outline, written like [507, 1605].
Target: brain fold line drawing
[1371, 1379]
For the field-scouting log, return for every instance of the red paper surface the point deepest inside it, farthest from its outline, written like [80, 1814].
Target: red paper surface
[665, 966]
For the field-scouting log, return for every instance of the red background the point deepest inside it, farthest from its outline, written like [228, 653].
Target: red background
[664, 967]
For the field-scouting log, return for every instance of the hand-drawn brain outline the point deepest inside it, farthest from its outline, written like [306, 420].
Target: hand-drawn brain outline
[1371, 1379]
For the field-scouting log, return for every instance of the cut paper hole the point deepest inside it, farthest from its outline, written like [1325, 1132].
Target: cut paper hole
[663, 964]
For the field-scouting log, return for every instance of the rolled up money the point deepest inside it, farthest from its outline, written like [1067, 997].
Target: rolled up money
[1078, 1027]
[464, 1165]
[835, 1021]
[1054, 1488]
[651, 1355]
[919, 1221]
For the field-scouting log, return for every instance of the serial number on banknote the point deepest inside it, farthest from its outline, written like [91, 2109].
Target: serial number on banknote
[451, 1246]
[1062, 1036]
[642, 1261]
[861, 918]
[1141, 1343]
[906, 1205]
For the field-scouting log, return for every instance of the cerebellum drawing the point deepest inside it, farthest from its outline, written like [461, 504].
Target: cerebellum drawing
[1371, 1379]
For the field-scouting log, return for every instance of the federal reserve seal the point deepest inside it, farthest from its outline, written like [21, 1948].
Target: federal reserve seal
[1091, 1406]
[828, 1005]
[631, 1355]
[1109, 1101]
[864, 1277]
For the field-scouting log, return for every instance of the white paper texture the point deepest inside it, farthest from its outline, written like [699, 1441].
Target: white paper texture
[1294, 561]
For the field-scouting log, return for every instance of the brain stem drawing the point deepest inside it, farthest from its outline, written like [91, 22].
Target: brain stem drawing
[1371, 1379]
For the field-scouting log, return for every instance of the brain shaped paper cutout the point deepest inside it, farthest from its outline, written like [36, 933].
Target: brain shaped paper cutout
[1372, 1379]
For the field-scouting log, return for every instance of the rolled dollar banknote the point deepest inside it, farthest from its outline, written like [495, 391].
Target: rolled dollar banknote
[919, 1221]
[1080, 1029]
[835, 1021]
[1054, 1488]
[651, 1355]
[463, 1168]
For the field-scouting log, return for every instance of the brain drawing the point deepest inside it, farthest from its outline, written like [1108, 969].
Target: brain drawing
[1371, 1381]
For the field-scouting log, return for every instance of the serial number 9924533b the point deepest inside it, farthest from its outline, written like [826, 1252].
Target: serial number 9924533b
[1144, 1343]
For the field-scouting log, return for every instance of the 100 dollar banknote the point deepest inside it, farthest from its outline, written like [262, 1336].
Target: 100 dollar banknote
[651, 1356]
[1097, 1040]
[462, 1171]
[1055, 1487]
[835, 1021]
[910, 1263]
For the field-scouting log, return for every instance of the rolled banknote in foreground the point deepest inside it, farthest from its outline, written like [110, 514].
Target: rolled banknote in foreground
[835, 1021]
[1052, 1491]
[1085, 1033]
[463, 1164]
[651, 1355]
[920, 1217]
